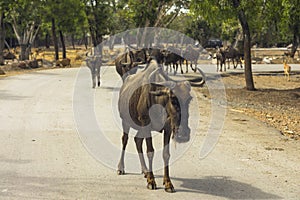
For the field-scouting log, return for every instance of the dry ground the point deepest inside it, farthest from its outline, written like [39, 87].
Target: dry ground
[275, 102]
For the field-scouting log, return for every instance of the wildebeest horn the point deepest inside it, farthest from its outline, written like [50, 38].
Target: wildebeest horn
[169, 84]
[203, 76]
[125, 63]
[137, 63]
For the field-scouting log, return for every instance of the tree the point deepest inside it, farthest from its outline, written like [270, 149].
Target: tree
[247, 43]
[54, 38]
[197, 28]
[246, 12]
[2, 36]
[152, 13]
[24, 16]
[98, 16]
[279, 23]
[66, 17]
[290, 16]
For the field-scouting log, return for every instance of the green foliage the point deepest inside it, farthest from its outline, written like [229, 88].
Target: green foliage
[270, 21]
[69, 16]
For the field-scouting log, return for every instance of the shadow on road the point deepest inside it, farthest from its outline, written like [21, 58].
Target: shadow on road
[223, 187]
[7, 96]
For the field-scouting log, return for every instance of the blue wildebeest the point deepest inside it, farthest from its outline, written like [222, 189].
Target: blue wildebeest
[191, 54]
[128, 62]
[150, 101]
[232, 54]
[172, 56]
[221, 59]
[94, 63]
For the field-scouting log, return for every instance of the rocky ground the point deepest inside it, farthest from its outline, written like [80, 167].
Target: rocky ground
[275, 102]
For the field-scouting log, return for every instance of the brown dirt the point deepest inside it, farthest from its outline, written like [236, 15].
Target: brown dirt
[275, 102]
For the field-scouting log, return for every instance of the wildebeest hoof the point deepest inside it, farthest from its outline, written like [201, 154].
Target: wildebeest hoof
[169, 187]
[151, 181]
[99, 84]
[152, 185]
[121, 172]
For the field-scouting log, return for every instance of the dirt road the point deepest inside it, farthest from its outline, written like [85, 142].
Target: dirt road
[42, 156]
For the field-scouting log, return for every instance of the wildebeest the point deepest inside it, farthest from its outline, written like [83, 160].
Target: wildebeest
[221, 59]
[233, 55]
[148, 101]
[191, 54]
[94, 63]
[172, 56]
[127, 63]
[157, 53]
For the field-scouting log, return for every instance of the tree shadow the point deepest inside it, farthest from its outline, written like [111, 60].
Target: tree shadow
[5, 95]
[110, 88]
[223, 187]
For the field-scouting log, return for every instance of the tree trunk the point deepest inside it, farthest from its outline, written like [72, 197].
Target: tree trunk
[2, 38]
[27, 51]
[55, 41]
[295, 41]
[23, 48]
[247, 45]
[85, 40]
[93, 36]
[62, 40]
[73, 41]
[47, 42]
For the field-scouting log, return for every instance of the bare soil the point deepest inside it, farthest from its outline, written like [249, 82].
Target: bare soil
[276, 101]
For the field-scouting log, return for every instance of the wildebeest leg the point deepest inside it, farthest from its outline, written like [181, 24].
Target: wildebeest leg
[186, 66]
[98, 75]
[228, 64]
[180, 63]
[121, 170]
[166, 156]
[169, 67]
[234, 63]
[192, 66]
[150, 154]
[175, 68]
[139, 146]
[93, 71]
[195, 69]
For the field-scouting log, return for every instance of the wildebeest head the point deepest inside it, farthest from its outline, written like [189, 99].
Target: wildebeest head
[127, 63]
[176, 98]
